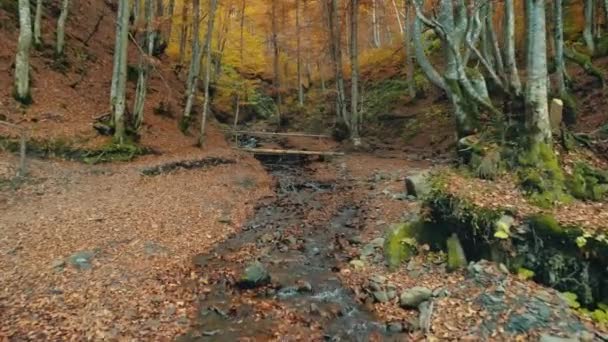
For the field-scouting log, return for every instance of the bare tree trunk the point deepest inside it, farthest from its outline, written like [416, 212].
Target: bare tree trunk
[354, 65]
[37, 24]
[509, 49]
[588, 31]
[409, 54]
[299, 55]
[195, 65]
[537, 111]
[375, 25]
[242, 44]
[147, 47]
[170, 11]
[207, 48]
[183, 33]
[120, 77]
[22, 60]
[336, 50]
[559, 46]
[275, 62]
[61, 27]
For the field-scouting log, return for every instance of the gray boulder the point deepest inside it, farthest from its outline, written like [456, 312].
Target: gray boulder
[418, 185]
[254, 275]
[412, 297]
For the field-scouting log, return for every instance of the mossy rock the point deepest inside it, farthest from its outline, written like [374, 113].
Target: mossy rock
[541, 176]
[588, 183]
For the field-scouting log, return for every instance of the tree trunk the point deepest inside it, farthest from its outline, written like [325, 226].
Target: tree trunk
[275, 62]
[559, 46]
[183, 34]
[207, 48]
[120, 77]
[336, 49]
[242, 43]
[409, 53]
[512, 75]
[195, 65]
[299, 55]
[170, 11]
[537, 111]
[375, 25]
[38, 23]
[588, 30]
[146, 47]
[22, 59]
[65, 4]
[354, 65]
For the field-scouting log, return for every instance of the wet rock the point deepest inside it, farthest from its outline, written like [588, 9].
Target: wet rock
[417, 185]
[378, 279]
[441, 292]
[357, 264]
[287, 292]
[368, 250]
[394, 327]
[254, 275]
[314, 309]
[380, 296]
[424, 319]
[549, 338]
[377, 242]
[355, 240]
[304, 286]
[82, 260]
[412, 297]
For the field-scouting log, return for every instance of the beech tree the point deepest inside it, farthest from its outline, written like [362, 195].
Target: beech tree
[207, 48]
[195, 65]
[119, 75]
[22, 60]
[146, 46]
[37, 24]
[60, 46]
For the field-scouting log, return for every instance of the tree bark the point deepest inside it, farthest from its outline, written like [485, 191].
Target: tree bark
[354, 65]
[537, 111]
[61, 27]
[588, 30]
[409, 53]
[38, 23]
[183, 34]
[275, 62]
[375, 25]
[336, 50]
[120, 76]
[22, 59]
[512, 75]
[559, 46]
[299, 55]
[146, 47]
[195, 64]
[207, 48]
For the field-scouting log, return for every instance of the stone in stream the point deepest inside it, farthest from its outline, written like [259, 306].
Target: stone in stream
[414, 296]
[417, 185]
[254, 275]
[82, 260]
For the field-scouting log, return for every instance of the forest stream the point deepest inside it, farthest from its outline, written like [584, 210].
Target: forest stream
[300, 255]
